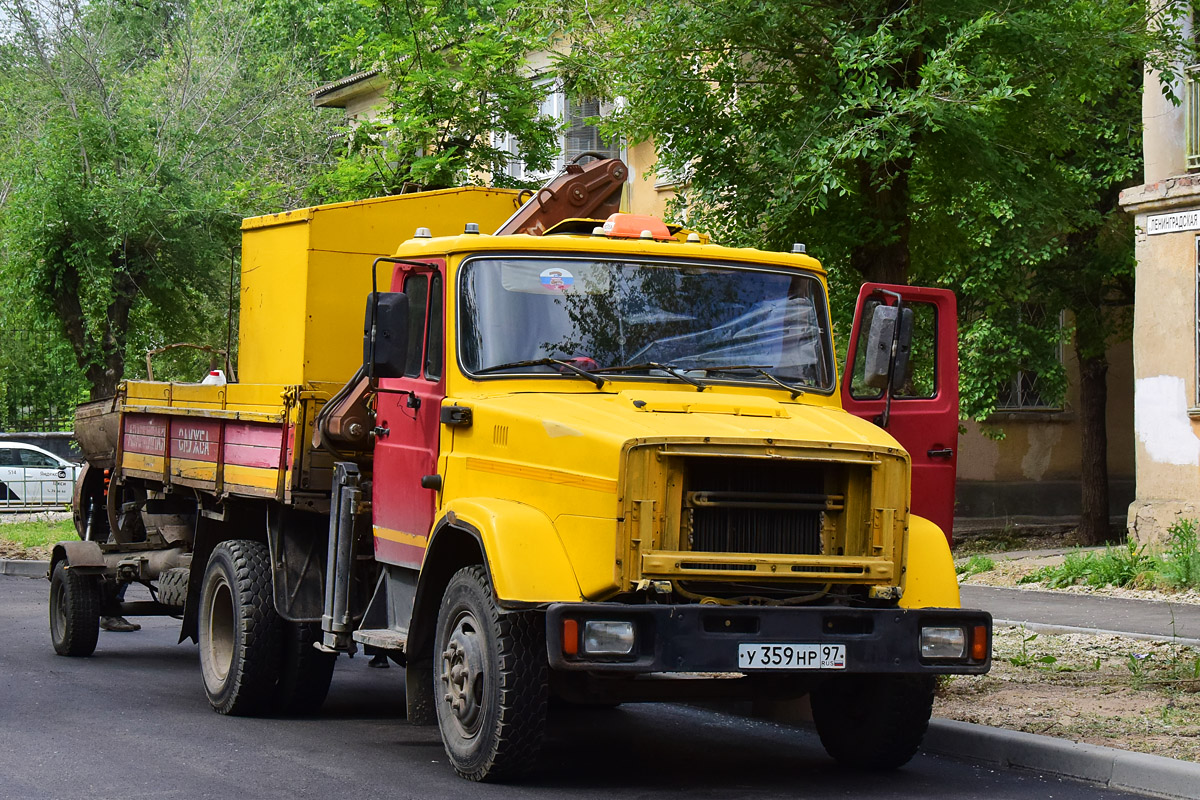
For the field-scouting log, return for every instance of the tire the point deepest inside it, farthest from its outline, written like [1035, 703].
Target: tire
[873, 722]
[305, 672]
[74, 611]
[489, 681]
[240, 633]
[173, 587]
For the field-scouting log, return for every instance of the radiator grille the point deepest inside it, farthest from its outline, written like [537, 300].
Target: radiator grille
[753, 506]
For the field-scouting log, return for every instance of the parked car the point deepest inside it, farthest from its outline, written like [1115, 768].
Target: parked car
[31, 476]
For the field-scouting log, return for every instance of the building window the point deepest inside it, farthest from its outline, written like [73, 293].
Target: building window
[1191, 103]
[577, 136]
[1023, 393]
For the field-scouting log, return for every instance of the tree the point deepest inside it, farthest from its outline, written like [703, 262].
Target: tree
[459, 81]
[977, 144]
[141, 133]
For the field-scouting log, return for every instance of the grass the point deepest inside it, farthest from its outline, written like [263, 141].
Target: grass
[1177, 566]
[974, 565]
[38, 534]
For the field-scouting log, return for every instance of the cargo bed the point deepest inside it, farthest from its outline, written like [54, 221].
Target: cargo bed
[251, 440]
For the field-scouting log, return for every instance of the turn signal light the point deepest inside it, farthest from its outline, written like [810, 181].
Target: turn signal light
[979, 643]
[570, 637]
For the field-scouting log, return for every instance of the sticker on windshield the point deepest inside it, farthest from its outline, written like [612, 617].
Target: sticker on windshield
[557, 278]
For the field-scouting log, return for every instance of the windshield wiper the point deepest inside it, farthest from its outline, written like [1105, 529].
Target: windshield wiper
[667, 368]
[761, 370]
[547, 362]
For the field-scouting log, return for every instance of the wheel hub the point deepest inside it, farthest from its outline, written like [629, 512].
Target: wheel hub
[462, 674]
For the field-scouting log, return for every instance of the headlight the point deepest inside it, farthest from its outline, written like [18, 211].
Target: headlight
[607, 638]
[940, 643]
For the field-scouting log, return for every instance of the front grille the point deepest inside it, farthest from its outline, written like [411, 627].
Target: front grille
[756, 506]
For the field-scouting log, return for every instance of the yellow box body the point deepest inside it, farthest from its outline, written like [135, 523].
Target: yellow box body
[306, 275]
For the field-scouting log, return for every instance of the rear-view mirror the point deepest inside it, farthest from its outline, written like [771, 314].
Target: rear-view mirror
[878, 362]
[385, 334]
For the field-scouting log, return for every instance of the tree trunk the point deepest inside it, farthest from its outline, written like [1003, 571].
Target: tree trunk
[885, 258]
[1093, 401]
[101, 358]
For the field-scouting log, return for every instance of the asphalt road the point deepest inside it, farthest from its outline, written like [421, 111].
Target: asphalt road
[132, 722]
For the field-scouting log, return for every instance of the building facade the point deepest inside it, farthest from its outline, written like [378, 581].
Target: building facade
[1166, 210]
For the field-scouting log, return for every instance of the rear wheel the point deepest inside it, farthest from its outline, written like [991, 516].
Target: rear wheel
[873, 721]
[490, 681]
[74, 611]
[305, 673]
[240, 642]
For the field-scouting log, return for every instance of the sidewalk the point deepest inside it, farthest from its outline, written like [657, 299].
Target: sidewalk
[1062, 612]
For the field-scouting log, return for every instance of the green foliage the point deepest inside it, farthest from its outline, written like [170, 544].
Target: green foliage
[137, 135]
[1025, 658]
[980, 145]
[458, 81]
[974, 565]
[1181, 561]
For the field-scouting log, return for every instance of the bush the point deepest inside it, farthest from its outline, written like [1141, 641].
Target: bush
[1180, 566]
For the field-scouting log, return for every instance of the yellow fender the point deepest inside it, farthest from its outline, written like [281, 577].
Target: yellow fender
[929, 580]
[525, 557]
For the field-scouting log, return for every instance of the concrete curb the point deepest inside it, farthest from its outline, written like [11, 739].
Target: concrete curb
[1041, 627]
[1115, 769]
[24, 568]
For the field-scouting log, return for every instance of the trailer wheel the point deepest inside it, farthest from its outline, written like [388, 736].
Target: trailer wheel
[240, 646]
[873, 721]
[489, 681]
[74, 611]
[305, 673]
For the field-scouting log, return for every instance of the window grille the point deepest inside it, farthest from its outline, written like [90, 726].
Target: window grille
[1024, 391]
[1191, 103]
[577, 136]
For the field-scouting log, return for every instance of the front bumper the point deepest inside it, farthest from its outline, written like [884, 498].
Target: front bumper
[695, 638]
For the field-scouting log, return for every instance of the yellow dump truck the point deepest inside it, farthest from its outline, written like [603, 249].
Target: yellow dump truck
[602, 460]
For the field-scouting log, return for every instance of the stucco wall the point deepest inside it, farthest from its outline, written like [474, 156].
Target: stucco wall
[1033, 473]
[1167, 434]
[644, 197]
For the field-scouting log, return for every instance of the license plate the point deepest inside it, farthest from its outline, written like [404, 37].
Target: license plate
[792, 656]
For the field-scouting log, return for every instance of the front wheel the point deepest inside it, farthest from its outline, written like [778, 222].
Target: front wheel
[873, 721]
[240, 632]
[74, 611]
[490, 681]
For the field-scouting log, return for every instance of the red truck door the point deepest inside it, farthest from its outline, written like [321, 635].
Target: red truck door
[408, 425]
[923, 413]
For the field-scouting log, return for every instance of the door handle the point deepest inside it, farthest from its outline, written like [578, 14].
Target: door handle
[944, 452]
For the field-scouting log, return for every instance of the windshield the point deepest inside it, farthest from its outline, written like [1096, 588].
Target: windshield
[599, 314]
